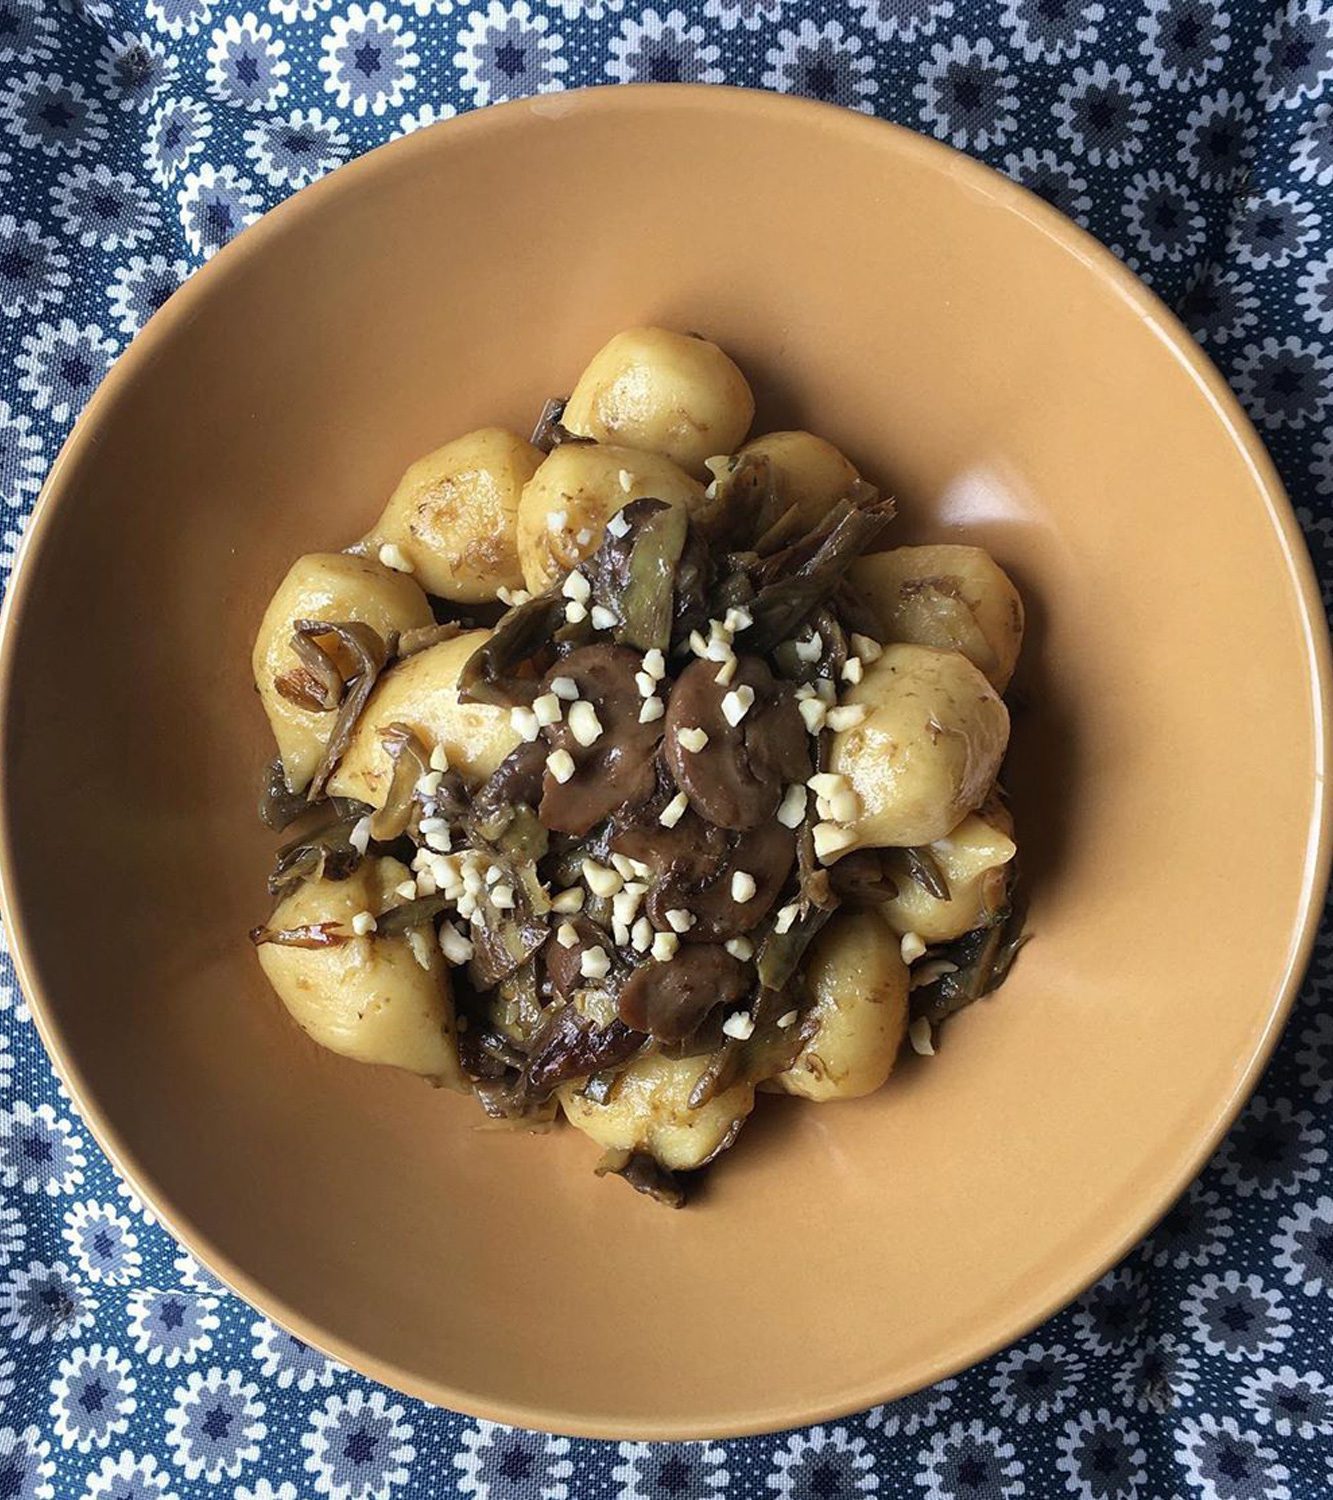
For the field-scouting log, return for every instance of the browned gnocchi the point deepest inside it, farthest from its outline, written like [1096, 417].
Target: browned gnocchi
[670, 393]
[452, 519]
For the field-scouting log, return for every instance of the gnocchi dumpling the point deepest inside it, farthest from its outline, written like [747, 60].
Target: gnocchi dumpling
[928, 749]
[806, 471]
[371, 998]
[578, 488]
[663, 392]
[421, 692]
[322, 586]
[650, 1111]
[859, 985]
[952, 597]
[974, 860]
[454, 515]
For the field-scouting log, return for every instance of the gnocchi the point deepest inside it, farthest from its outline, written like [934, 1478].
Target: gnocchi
[974, 859]
[806, 472]
[422, 693]
[951, 597]
[578, 488]
[859, 983]
[323, 586]
[663, 392]
[650, 1111]
[454, 515]
[926, 751]
[371, 998]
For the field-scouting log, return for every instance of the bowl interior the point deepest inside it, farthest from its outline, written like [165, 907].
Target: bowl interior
[972, 353]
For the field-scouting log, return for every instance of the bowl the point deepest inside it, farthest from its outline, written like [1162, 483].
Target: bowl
[974, 353]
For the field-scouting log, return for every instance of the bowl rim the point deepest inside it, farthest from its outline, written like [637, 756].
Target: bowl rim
[840, 124]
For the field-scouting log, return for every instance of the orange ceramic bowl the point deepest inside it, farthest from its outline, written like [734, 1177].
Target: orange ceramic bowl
[974, 353]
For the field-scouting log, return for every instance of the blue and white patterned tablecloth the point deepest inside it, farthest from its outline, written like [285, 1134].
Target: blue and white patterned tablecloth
[1195, 137]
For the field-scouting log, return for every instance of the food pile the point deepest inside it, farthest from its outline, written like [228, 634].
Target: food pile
[679, 822]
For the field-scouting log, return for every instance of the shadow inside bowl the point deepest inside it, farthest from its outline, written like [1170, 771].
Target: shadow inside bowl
[1045, 769]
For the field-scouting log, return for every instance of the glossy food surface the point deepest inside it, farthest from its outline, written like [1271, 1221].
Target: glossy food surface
[968, 350]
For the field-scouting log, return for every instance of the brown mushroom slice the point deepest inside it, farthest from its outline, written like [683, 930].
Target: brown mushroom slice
[670, 1000]
[687, 856]
[692, 866]
[766, 854]
[617, 769]
[737, 779]
[564, 966]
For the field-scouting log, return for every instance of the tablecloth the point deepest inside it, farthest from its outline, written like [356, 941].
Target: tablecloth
[1194, 137]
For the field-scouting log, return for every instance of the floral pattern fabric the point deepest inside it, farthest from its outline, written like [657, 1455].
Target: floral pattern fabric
[1195, 138]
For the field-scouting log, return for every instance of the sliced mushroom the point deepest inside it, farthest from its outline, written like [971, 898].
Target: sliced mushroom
[564, 965]
[686, 857]
[699, 879]
[669, 1000]
[617, 769]
[737, 779]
